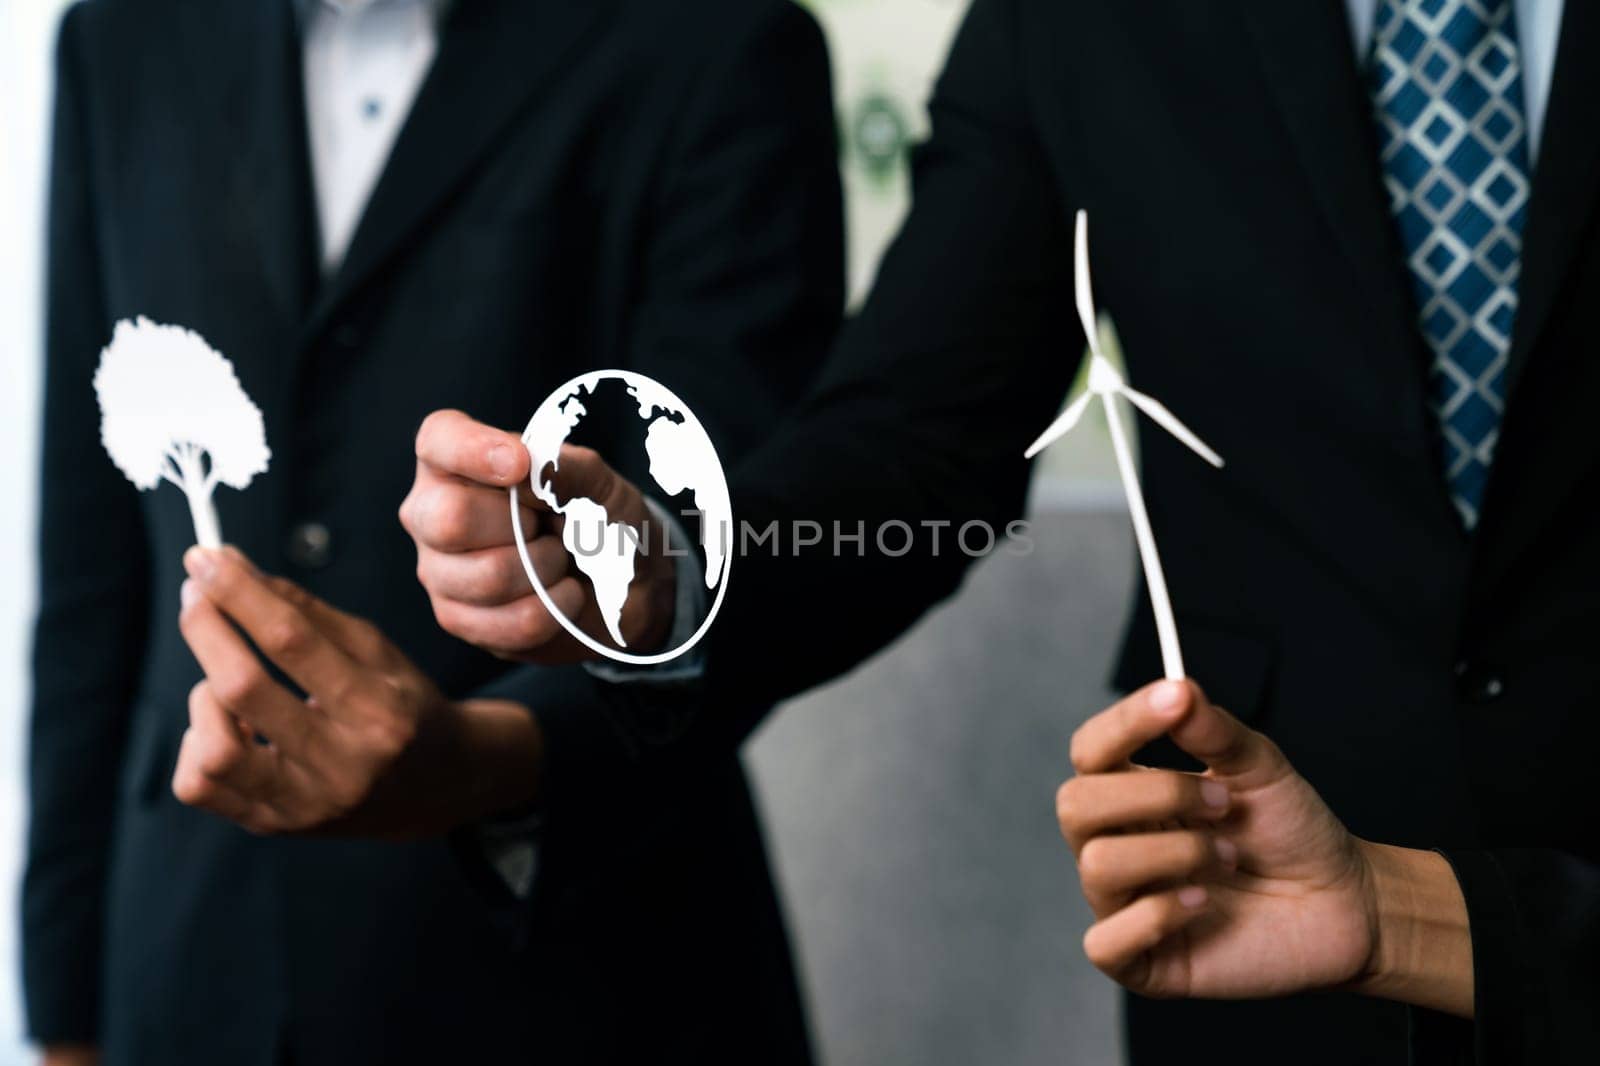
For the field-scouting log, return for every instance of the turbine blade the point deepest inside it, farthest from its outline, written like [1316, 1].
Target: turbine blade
[1082, 285]
[1061, 426]
[1169, 421]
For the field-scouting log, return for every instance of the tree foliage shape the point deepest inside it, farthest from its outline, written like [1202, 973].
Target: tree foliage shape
[171, 409]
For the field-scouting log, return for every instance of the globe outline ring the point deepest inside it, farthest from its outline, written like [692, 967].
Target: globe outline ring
[572, 628]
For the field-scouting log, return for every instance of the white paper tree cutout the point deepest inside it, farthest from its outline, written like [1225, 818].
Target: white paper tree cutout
[171, 408]
[1105, 382]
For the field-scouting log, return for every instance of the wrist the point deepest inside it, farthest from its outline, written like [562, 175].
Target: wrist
[60, 1054]
[1421, 949]
[496, 759]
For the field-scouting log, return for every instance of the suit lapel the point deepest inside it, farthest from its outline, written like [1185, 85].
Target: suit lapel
[1307, 55]
[243, 60]
[493, 56]
[1564, 181]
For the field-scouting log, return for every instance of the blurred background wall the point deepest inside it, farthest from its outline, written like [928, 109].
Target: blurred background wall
[910, 805]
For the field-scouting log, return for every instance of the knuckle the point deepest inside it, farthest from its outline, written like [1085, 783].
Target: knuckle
[396, 738]
[240, 687]
[449, 520]
[289, 591]
[1094, 948]
[435, 425]
[447, 613]
[369, 641]
[390, 735]
[1078, 750]
[1094, 862]
[190, 788]
[1067, 803]
[451, 617]
[216, 760]
[530, 622]
[346, 793]
[489, 581]
[286, 636]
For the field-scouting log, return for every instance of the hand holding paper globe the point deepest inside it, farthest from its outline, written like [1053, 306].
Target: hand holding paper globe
[582, 570]
[606, 548]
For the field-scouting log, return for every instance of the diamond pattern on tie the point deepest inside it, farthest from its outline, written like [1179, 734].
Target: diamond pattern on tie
[1446, 79]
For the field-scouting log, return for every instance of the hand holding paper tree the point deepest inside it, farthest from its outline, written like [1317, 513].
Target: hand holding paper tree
[172, 409]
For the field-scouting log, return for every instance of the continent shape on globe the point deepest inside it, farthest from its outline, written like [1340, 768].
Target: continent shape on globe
[681, 458]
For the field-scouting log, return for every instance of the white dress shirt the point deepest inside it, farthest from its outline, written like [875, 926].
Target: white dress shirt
[363, 62]
[1538, 31]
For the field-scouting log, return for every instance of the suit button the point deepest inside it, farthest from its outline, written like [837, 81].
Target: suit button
[310, 546]
[1475, 683]
[347, 337]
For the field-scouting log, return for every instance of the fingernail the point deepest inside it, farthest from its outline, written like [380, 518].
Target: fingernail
[502, 461]
[1167, 696]
[1191, 895]
[188, 592]
[1227, 851]
[200, 564]
[1214, 793]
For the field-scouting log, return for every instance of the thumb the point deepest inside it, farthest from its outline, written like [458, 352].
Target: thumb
[455, 444]
[1226, 745]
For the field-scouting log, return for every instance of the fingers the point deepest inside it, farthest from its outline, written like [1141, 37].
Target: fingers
[517, 628]
[236, 676]
[1117, 945]
[223, 770]
[447, 515]
[1097, 803]
[278, 627]
[1226, 745]
[1108, 740]
[358, 638]
[452, 443]
[491, 577]
[1112, 868]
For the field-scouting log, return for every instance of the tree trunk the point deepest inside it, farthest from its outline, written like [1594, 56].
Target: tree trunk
[207, 530]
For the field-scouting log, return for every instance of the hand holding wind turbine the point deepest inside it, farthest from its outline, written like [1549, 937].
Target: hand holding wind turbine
[1105, 382]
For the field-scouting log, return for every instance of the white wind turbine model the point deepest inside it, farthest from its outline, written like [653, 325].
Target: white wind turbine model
[1105, 382]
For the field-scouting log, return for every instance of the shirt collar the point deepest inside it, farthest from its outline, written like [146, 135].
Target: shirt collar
[304, 8]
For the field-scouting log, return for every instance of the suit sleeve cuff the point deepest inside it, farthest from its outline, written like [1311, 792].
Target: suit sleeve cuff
[1503, 992]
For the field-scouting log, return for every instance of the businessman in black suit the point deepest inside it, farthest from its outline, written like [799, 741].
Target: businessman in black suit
[570, 185]
[1393, 579]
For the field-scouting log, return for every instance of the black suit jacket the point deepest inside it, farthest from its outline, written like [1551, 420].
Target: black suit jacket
[601, 184]
[1437, 688]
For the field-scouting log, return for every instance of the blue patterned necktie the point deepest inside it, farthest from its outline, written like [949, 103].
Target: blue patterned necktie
[1446, 79]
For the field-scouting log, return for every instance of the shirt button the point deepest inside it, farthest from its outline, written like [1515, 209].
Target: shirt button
[310, 546]
[371, 108]
[1475, 683]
